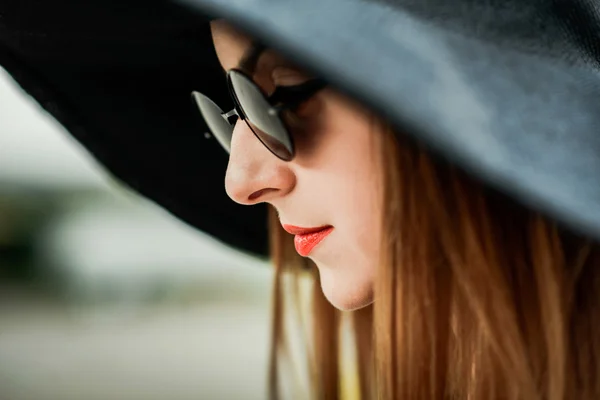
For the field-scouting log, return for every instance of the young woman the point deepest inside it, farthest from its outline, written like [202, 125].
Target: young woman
[431, 171]
[475, 296]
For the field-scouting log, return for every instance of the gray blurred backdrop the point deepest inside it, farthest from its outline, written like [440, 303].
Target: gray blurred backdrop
[105, 296]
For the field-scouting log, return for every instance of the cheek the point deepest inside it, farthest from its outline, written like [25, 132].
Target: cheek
[359, 183]
[349, 270]
[350, 186]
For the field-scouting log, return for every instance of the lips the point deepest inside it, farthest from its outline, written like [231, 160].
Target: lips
[306, 239]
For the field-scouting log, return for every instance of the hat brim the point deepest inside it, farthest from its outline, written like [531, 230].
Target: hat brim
[507, 91]
[119, 78]
[510, 93]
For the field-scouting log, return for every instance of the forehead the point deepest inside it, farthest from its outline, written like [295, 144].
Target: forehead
[230, 44]
[237, 50]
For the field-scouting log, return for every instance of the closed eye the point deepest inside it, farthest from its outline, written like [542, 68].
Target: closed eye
[287, 97]
[290, 97]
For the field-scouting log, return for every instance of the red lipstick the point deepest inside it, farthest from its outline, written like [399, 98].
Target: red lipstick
[307, 238]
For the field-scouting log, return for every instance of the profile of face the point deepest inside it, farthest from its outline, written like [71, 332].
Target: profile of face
[332, 181]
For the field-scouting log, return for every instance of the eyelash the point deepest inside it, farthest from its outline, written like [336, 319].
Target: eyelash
[286, 95]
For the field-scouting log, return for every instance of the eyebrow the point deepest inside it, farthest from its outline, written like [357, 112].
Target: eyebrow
[249, 60]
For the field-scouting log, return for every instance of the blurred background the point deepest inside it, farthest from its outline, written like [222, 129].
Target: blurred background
[105, 296]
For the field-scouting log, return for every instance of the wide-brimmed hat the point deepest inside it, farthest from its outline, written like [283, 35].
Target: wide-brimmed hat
[508, 90]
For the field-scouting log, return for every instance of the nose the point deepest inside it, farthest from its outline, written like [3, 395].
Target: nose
[254, 175]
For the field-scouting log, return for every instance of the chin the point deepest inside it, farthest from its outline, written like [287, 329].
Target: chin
[346, 292]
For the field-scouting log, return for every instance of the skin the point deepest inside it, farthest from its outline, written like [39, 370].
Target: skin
[333, 179]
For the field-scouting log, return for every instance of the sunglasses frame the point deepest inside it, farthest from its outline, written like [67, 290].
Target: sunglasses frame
[277, 102]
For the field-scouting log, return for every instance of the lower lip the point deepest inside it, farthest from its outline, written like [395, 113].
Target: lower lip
[307, 242]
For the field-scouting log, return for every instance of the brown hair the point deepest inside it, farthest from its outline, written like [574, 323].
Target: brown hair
[477, 297]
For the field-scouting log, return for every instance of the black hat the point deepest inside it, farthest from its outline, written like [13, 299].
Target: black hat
[508, 90]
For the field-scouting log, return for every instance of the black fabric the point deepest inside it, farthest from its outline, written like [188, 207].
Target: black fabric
[118, 76]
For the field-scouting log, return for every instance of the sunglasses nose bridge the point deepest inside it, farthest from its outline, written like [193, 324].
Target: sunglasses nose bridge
[233, 113]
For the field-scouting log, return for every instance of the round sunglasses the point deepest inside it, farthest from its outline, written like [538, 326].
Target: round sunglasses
[261, 113]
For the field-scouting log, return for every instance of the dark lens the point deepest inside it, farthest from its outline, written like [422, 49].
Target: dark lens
[220, 128]
[267, 126]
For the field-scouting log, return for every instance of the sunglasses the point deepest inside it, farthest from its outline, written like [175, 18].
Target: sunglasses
[261, 113]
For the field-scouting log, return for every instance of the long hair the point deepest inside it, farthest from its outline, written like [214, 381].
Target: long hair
[476, 297]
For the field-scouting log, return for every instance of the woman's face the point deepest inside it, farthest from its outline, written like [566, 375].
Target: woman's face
[333, 180]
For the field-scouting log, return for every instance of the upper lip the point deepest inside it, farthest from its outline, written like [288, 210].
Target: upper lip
[297, 230]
